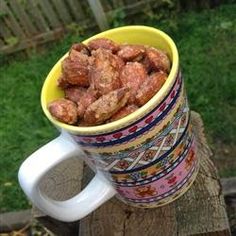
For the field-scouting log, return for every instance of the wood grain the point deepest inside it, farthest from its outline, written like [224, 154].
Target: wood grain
[49, 12]
[11, 21]
[62, 11]
[23, 17]
[99, 14]
[37, 40]
[5, 33]
[76, 9]
[36, 16]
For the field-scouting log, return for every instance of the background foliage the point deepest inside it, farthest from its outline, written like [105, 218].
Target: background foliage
[206, 42]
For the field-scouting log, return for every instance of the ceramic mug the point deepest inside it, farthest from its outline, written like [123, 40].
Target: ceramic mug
[147, 159]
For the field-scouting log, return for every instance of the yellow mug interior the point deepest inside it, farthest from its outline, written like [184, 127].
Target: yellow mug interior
[128, 34]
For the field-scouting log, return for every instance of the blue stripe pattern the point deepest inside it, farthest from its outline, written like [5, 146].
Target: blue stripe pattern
[158, 159]
[170, 192]
[160, 174]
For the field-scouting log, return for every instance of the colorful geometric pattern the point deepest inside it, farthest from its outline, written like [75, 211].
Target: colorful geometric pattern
[159, 146]
[149, 152]
[158, 199]
[163, 184]
[158, 169]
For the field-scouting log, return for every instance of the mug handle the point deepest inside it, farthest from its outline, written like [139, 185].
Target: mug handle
[98, 191]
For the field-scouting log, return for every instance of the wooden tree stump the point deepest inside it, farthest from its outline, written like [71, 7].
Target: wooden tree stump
[200, 211]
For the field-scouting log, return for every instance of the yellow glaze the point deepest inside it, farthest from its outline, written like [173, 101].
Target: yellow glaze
[127, 34]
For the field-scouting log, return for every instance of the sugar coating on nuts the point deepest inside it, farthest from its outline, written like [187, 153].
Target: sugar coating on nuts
[150, 87]
[63, 110]
[133, 74]
[107, 105]
[103, 43]
[124, 111]
[104, 81]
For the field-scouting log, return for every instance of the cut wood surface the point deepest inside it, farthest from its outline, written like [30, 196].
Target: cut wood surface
[200, 211]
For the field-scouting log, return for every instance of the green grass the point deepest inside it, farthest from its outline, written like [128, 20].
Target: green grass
[206, 43]
[23, 127]
[207, 53]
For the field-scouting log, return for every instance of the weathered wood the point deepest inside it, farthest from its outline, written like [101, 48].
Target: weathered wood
[62, 11]
[76, 9]
[14, 220]
[37, 40]
[62, 183]
[60, 228]
[99, 14]
[28, 18]
[17, 220]
[130, 1]
[24, 19]
[5, 33]
[107, 5]
[10, 20]
[47, 9]
[42, 38]
[200, 211]
[36, 15]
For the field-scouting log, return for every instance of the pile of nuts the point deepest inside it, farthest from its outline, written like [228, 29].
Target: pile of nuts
[105, 81]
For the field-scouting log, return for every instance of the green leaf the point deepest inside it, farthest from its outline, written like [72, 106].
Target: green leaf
[11, 41]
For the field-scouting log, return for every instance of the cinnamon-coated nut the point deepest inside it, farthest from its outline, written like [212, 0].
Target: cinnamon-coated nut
[104, 81]
[74, 93]
[62, 82]
[104, 75]
[150, 87]
[63, 110]
[75, 73]
[157, 60]
[80, 47]
[131, 52]
[103, 43]
[132, 76]
[107, 105]
[124, 111]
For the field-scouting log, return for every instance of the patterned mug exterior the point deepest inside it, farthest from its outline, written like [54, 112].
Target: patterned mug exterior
[149, 156]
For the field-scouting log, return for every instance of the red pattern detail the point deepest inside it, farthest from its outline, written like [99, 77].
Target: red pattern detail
[123, 164]
[133, 129]
[172, 94]
[162, 107]
[117, 135]
[100, 139]
[172, 180]
[190, 159]
[149, 120]
[145, 191]
[87, 140]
